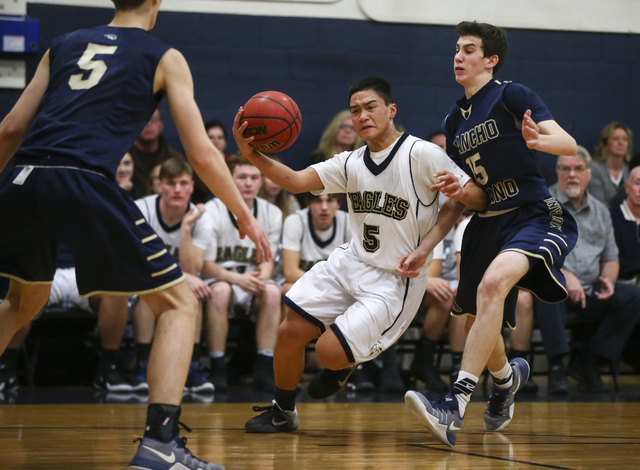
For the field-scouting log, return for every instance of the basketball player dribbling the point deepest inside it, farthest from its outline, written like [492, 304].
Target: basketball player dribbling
[361, 300]
[93, 92]
[520, 240]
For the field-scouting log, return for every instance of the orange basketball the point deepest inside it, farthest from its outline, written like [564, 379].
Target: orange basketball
[274, 121]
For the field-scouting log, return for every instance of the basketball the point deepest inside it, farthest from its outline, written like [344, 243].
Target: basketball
[274, 121]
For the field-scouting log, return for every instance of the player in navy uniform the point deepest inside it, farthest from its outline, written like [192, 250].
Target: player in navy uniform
[364, 296]
[92, 93]
[520, 240]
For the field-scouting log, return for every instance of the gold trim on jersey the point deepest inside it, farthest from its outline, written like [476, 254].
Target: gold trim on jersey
[140, 222]
[64, 167]
[534, 255]
[494, 213]
[157, 255]
[165, 271]
[559, 237]
[148, 239]
[554, 244]
[24, 281]
[142, 292]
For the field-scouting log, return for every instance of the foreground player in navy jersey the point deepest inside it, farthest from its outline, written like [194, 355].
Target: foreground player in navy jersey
[520, 240]
[91, 95]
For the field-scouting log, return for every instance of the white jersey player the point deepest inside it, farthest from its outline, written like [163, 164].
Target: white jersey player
[365, 295]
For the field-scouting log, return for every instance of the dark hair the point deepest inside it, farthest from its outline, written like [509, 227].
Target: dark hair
[435, 133]
[379, 85]
[215, 123]
[494, 39]
[310, 197]
[123, 5]
[175, 167]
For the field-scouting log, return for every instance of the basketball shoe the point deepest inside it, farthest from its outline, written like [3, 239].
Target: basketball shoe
[499, 411]
[328, 382]
[139, 382]
[109, 378]
[197, 381]
[172, 455]
[441, 417]
[274, 419]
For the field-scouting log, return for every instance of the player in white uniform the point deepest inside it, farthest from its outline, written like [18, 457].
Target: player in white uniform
[310, 235]
[239, 284]
[185, 230]
[366, 294]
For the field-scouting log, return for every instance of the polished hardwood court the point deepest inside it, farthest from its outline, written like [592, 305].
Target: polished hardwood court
[354, 436]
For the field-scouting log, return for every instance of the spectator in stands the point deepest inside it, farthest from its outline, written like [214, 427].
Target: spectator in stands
[611, 167]
[150, 149]
[273, 193]
[124, 177]
[239, 285]
[185, 230]
[442, 273]
[218, 136]
[591, 270]
[339, 136]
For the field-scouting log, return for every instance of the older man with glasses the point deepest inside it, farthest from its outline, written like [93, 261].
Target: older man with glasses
[610, 309]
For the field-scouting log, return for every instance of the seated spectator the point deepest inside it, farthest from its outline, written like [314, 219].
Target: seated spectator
[218, 136]
[150, 149]
[185, 230]
[591, 270]
[611, 167]
[238, 284]
[442, 273]
[124, 177]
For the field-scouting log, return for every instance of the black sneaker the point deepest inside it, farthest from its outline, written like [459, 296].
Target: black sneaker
[273, 419]
[583, 368]
[197, 381]
[327, 382]
[391, 381]
[8, 380]
[218, 374]
[139, 382]
[557, 384]
[109, 378]
[172, 455]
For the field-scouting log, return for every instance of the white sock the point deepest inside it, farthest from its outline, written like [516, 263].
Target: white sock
[463, 388]
[504, 377]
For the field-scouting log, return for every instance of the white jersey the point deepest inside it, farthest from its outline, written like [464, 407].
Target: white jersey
[200, 231]
[225, 246]
[313, 245]
[391, 208]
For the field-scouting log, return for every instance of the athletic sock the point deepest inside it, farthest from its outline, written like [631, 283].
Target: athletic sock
[463, 388]
[286, 399]
[503, 378]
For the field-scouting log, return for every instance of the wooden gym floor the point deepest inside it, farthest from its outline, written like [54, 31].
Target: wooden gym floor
[574, 432]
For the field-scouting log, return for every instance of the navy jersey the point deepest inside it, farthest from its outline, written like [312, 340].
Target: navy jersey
[484, 137]
[99, 98]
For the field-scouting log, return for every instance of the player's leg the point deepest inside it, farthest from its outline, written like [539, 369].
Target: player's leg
[22, 303]
[268, 304]
[216, 313]
[144, 325]
[176, 310]
[294, 334]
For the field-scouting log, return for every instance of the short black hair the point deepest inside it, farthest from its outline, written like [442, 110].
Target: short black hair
[379, 85]
[494, 39]
[124, 5]
[215, 123]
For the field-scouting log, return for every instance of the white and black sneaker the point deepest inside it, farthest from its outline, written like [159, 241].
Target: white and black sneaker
[109, 378]
[274, 419]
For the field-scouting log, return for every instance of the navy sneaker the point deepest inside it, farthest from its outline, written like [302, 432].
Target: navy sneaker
[139, 382]
[499, 411]
[441, 417]
[197, 381]
[172, 455]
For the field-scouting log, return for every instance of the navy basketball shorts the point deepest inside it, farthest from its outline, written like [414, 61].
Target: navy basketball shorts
[543, 231]
[114, 248]
[368, 308]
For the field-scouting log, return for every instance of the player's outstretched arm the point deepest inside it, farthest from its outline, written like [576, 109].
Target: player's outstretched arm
[291, 180]
[547, 136]
[173, 76]
[447, 216]
[15, 124]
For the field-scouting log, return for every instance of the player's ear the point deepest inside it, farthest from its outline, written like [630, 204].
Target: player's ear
[492, 62]
[393, 110]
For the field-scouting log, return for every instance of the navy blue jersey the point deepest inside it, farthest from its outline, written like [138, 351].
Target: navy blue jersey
[484, 138]
[99, 98]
